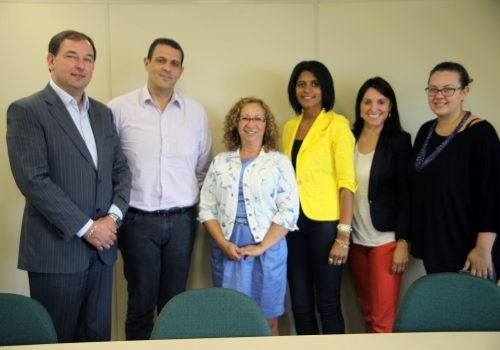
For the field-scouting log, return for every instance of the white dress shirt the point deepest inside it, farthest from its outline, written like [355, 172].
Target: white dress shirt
[168, 151]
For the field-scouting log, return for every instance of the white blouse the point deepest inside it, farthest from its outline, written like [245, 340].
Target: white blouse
[363, 231]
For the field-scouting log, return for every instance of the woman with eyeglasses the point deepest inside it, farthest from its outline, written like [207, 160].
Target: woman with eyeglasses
[381, 223]
[321, 146]
[455, 182]
[249, 201]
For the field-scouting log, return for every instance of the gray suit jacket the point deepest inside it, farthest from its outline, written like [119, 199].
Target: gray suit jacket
[55, 172]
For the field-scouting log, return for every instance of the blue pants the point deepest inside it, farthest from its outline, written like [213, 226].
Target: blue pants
[312, 282]
[156, 252]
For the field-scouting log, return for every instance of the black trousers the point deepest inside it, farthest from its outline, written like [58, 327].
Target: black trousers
[313, 283]
[156, 252]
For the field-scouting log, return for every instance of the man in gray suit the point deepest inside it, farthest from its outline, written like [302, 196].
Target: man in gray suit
[66, 159]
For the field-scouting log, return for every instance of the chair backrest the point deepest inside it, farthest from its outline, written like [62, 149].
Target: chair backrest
[444, 302]
[210, 313]
[24, 321]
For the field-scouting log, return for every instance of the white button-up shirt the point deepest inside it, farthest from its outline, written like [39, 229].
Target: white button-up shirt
[269, 189]
[168, 151]
[79, 117]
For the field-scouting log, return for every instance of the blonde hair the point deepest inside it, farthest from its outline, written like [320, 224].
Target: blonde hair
[232, 139]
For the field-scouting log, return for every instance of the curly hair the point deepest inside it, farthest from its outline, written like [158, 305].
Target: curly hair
[232, 139]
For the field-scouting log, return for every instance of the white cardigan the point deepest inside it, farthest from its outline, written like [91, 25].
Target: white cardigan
[269, 188]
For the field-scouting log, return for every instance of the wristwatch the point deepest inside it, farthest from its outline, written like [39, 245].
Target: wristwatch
[116, 219]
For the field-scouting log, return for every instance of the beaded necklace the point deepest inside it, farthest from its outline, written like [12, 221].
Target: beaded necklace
[421, 161]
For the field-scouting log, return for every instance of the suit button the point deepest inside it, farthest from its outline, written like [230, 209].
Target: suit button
[98, 210]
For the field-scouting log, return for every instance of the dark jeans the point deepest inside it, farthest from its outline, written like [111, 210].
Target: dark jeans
[78, 303]
[156, 252]
[312, 282]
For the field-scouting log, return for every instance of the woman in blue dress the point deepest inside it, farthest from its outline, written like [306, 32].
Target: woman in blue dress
[249, 201]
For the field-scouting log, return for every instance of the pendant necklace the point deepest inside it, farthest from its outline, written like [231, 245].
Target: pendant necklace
[422, 161]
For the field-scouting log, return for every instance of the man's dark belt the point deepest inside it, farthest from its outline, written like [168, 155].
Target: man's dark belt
[166, 212]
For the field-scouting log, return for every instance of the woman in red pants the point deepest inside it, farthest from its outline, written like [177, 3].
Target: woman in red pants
[379, 252]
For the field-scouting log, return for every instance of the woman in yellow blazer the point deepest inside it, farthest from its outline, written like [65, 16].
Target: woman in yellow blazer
[321, 146]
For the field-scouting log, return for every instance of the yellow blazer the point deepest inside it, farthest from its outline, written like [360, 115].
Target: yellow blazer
[324, 165]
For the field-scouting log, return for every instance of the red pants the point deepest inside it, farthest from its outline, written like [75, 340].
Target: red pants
[377, 287]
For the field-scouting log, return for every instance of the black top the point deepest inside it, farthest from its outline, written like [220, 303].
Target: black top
[455, 196]
[388, 193]
[295, 151]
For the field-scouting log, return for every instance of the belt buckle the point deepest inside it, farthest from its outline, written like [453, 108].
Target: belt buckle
[171, 211]
[241, 221]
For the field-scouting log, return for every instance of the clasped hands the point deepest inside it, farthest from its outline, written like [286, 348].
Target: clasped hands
[233, 252]
[102, 234]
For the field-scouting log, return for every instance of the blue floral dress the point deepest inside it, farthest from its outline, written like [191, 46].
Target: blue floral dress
[263, 278]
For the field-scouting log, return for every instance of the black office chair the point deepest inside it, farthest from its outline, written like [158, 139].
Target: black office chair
[24, 321]
[452, 302]
[210, 313]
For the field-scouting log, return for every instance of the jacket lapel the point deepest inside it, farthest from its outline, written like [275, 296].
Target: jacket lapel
[316, 132]
[378, 162]
[58, 111]
[291, 132]
[99, 134]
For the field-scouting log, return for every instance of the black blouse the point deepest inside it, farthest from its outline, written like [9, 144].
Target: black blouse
[455, 196]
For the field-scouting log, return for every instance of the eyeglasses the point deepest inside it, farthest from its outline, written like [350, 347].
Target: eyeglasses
[259, 119]
[446, 91]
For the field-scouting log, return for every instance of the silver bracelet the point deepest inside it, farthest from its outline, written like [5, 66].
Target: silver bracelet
[344, 228]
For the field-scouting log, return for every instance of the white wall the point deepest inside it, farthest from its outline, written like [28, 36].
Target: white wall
[236, 48]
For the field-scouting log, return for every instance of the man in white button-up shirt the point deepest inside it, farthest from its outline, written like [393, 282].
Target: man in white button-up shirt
[167, 141]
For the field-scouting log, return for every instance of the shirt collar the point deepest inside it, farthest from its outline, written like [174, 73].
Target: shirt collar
[145, 98]
[67, 99]
[236, 155]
